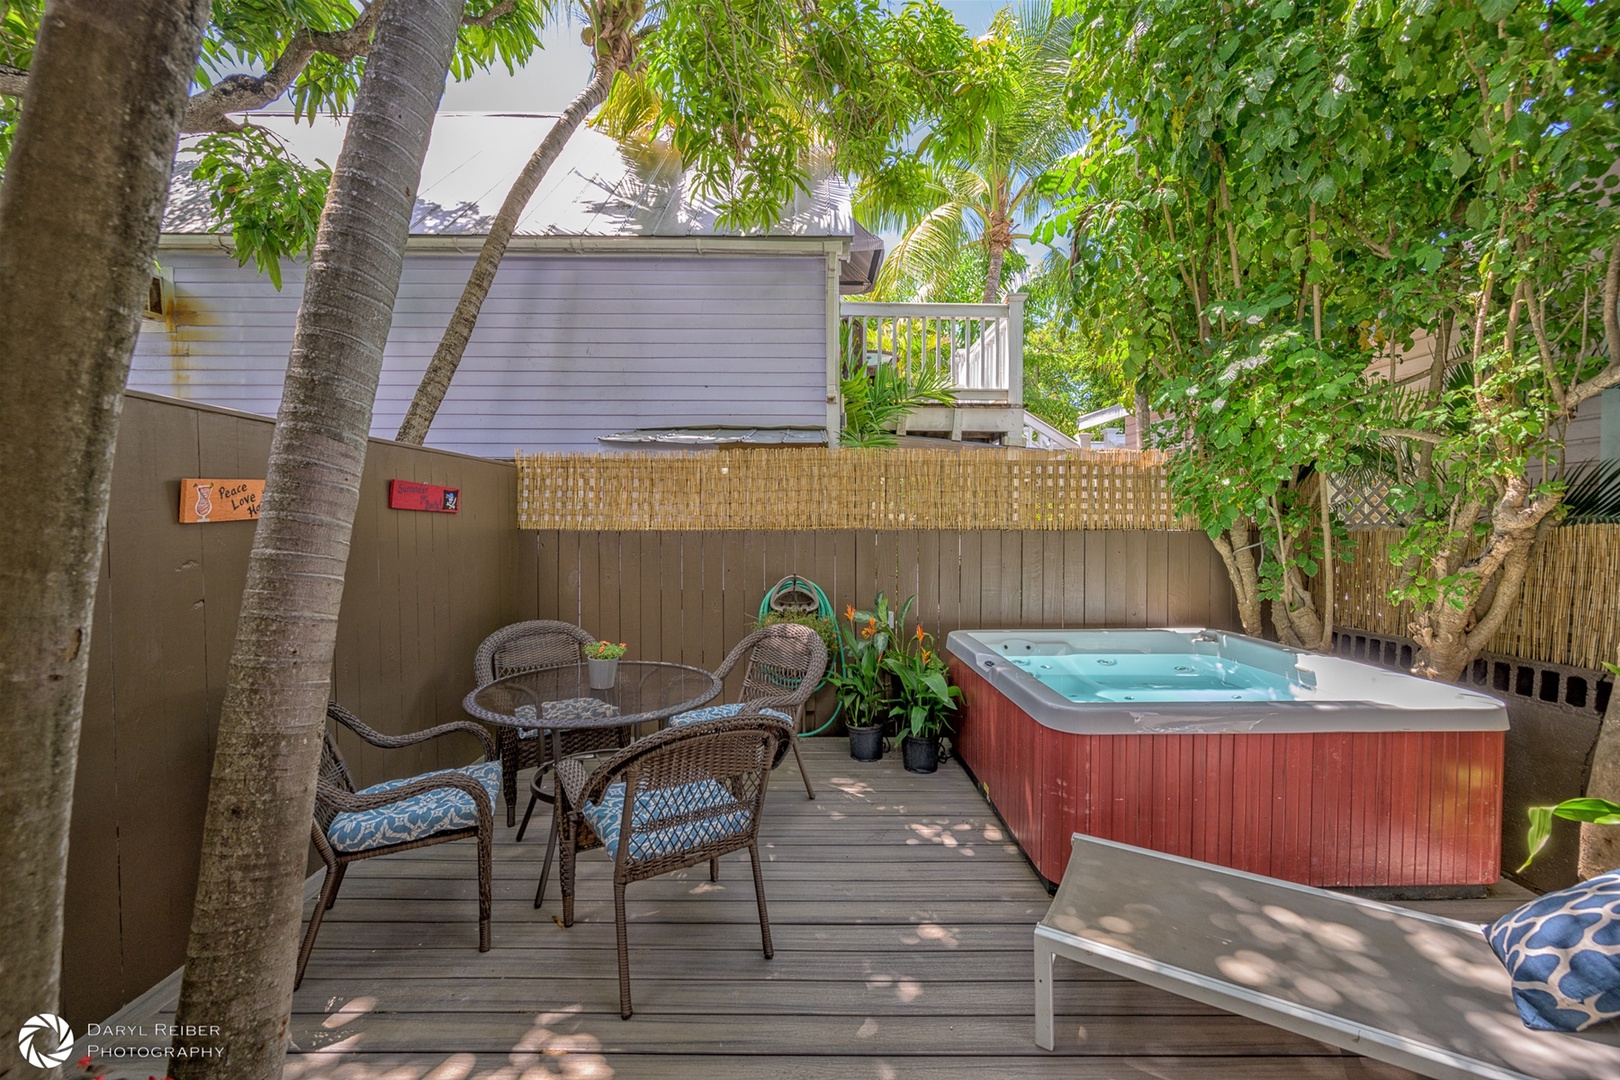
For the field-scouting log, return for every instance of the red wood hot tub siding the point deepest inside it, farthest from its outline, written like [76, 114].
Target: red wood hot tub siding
[1326, 808]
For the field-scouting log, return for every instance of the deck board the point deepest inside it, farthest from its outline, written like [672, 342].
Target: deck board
[901, 916]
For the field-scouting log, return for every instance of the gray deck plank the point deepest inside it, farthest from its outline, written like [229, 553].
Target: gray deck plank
[902, 918]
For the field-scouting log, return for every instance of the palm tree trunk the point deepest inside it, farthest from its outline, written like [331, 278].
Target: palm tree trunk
[240, 958]
[453, 345]
[992, 277]
[79, 213]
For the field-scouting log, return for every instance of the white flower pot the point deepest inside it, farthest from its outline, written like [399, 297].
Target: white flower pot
[602, 673]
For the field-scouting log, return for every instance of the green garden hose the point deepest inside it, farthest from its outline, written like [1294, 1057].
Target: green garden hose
[772, 602]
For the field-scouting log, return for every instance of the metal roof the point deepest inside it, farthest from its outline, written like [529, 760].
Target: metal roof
[596, 187]
[703, 438]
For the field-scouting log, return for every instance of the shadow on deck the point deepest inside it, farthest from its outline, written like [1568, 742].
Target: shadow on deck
[902, 917]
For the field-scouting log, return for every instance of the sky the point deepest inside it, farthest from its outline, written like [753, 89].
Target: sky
[559, 71]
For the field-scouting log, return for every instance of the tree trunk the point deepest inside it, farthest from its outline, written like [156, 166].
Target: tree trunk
[1449, 636]
[1600, 844]
[453, 345]
[240, 958]
[79, 214]
[1235, 547]
[997, 240]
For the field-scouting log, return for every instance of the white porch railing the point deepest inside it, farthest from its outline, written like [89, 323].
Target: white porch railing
[982, 344]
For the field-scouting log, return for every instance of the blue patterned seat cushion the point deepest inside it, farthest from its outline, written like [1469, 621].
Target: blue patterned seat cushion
[716, 712]
[606, 816]
[415, 818]
[1563, 951]
[567, 710]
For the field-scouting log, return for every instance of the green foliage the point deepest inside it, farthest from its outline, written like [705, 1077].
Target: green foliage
[270, 201]
[606, 650]
[1249, 423]
[253, 34]
[862, 684]
[826, 629]
[750, 91]
[1593, 494]
[1594, 811]
[923, 697]
[19, 25]
[1372, 172]
[875, 400]
[888, 673]
[973, 179]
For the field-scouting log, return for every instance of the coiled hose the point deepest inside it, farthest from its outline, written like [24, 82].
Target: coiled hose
[775, 601]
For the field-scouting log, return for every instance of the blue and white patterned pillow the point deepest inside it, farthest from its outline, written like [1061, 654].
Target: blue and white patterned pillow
[716, 712]
[607, 816]
[1563, 951]
[567, 710]
[416, 818]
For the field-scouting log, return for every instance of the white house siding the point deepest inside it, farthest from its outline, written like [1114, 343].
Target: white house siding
[568, 347]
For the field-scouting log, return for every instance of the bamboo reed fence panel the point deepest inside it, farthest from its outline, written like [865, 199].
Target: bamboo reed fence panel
[818, 488]
[1568, 612]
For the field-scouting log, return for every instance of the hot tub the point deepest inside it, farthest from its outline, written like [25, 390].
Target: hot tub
[1232, 750]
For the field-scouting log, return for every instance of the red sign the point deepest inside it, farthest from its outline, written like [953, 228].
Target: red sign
[409, 495]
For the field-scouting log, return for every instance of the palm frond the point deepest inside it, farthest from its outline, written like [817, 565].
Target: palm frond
[1593, 493]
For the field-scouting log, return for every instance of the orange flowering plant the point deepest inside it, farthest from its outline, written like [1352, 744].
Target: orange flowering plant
[605, 650]
[924, 698]
[863, 685]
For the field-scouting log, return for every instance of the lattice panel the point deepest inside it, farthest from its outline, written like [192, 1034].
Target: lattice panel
[818, 488]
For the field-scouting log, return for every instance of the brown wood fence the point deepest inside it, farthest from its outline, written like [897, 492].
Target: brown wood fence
[817, 488]
[422, 591]
[1569, 612]
[686, 596]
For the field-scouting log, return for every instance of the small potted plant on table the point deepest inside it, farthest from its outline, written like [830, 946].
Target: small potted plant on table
[602, 663]
[924, 699]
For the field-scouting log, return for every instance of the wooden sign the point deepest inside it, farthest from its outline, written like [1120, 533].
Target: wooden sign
[203, 501]
[409, 495]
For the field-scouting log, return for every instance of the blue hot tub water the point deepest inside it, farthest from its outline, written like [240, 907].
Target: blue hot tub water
[1125, 677]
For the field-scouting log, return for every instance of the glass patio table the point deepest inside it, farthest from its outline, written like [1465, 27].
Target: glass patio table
[644, 690]
[560, 699]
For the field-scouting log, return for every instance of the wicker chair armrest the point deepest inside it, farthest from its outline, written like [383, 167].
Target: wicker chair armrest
[735, 656]
[347, 802]
[613, 769]
[393, 742]
[572, 779]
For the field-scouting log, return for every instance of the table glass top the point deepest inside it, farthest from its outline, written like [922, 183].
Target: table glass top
[642, 690]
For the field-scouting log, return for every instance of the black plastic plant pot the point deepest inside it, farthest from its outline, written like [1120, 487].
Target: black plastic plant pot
[866, 743]
[921, 755]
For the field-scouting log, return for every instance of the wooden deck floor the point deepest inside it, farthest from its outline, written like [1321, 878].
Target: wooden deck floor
[901, 916]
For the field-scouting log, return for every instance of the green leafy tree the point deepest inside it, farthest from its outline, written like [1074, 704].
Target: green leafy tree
[269, 200]
[1369, 175]
[313, 51]
[974, 178]
[1496, 230]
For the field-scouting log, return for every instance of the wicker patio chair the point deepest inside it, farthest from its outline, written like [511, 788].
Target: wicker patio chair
[682, 796]
[521, 647]
[399, 815]
[785, 664]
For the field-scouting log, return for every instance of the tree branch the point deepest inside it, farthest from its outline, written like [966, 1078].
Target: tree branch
[13, 80]
[1610, 375]
[1383, 251]
[243, 93]
[209, 110]
[487, 19]
[1410, 433]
